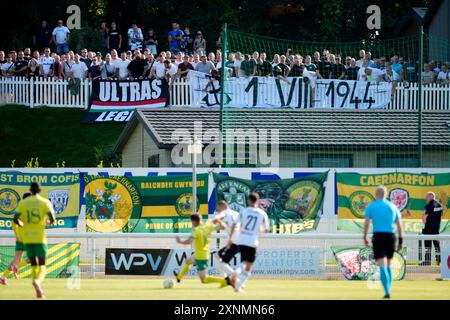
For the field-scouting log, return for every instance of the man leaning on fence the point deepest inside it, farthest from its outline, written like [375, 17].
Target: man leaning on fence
[432, 221]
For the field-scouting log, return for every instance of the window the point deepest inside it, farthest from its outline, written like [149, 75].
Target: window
[153, 161]
[330, 160]
[397, 161]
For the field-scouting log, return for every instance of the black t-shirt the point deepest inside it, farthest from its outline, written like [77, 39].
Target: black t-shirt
[264, 69]
[19, 64]
[86, 61]
[434, 211]
[283, 67]
[337, 70]
[324, 68]
[137, 67]
[43, 36]
[114, 39]
[311, 67]
[188, 42]
[296, 70]
[352, 73]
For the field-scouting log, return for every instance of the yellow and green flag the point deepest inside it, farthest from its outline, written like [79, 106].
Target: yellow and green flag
[406, 190]
[63, 191]
[62, 260]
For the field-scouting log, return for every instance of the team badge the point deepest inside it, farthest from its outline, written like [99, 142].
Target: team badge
[59, 199]
[234, 193]
[359, 200]
[303, 198]
[184, 204]
[111, 205]
[399, 197]
[9, 200]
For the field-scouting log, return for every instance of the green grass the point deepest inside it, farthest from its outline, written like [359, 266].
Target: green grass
[53, 135]
[192, 289]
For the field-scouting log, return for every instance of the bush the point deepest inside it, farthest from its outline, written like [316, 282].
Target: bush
[86, 37]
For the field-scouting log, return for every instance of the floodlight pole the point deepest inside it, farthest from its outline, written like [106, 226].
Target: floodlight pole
[420, 103]
[195, 150]
[223, 78]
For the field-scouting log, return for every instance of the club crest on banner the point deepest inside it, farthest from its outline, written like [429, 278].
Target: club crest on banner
[359, 201]
[399, 197]
[59, 199]
[235, 193]
[9, 200]
[184, 206]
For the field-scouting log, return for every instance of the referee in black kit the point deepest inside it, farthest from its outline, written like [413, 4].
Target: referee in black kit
[432, 220]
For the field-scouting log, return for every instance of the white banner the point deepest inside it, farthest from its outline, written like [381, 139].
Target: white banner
[283, 262]
[272, 92]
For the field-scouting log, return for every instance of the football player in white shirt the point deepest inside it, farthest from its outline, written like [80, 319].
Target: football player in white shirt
[225, 254]
[252, 221]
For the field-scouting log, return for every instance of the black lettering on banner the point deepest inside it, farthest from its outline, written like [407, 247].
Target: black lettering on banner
[330, 90]
[301, 84]
[343, 95]
[291, 92]
[354, 100]
[369, 100]
[253, 84]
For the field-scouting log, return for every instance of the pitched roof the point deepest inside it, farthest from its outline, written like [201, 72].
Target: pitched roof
[319, 127]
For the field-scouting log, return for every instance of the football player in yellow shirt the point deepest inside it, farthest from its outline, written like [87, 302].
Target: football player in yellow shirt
[201, 237]
[17, 262]
[33, 215]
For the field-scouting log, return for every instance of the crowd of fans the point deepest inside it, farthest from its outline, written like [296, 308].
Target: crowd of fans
[143, 60]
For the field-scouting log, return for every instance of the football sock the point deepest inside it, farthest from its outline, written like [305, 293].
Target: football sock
[242, 279]
[391, 278]
[41, 273]
[34, 271]
[226, 268]
[22, 264]
[384, 277]
[211, 279]
[183, 271]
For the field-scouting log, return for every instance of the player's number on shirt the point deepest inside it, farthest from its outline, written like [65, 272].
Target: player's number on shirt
[251, 223]
[33, 216]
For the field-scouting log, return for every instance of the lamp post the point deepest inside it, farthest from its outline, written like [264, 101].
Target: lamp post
[195, 149]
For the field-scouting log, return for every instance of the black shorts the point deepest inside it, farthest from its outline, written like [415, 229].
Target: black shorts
[383, 245]
[248, 254]
[226, 254]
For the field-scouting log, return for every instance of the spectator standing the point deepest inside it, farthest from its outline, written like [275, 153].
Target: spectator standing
[20, 65]
[56, 70]
[150, 58]
[2, 58]
[79, 69]
[33, 69]
[184, 68]
[352, 71]
[195, 59]
[175, 36]
[114, 57]
[114, 41]
[158, 70]
[338, 69]
[204, 65]
[396, 65]
[444, 75]
[362, 58]
[229, 64]
[137, 66]
[42, 37]
[428, 75]
[187, 44]
[309, 65]
[265, 68]
[135, 37]
[61, 37]
[8, 67]
[411, 71]
[122, 67]
[104, 31]
[199, 43]
[297, 67]
[27, 54]
[390, 75]
[151, 42]
[246, 68]
[108, 69]
[85, 57]
[432, 223]
[94, 70]
[67, 65]
[45, 63]
[170, 72]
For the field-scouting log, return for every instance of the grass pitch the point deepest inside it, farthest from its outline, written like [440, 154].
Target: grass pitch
[192, 289]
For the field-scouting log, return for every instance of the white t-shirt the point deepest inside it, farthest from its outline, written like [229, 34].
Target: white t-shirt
[376, 73]
[79, 70]
[159, 68]
[172, 70]
[46, 63]
[7, 66]
[122, 66]
[394, 77]
[250, 220]
[230, 217]
[444, 76]
[237, 64]
[60, 34]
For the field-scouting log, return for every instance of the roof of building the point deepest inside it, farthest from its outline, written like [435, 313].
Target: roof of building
[318, 127]
[415, 14]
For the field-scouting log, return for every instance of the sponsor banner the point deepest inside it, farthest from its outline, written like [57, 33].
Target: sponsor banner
[278, 262]
[445, 262]
[62, 260]
[143, 204]
[63, 191]
[115, 101]
[358, 263]
[406, 190]
[293, 92]
[292, 205]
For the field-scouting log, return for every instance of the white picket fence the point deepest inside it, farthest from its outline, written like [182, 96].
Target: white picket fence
[54, 93]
